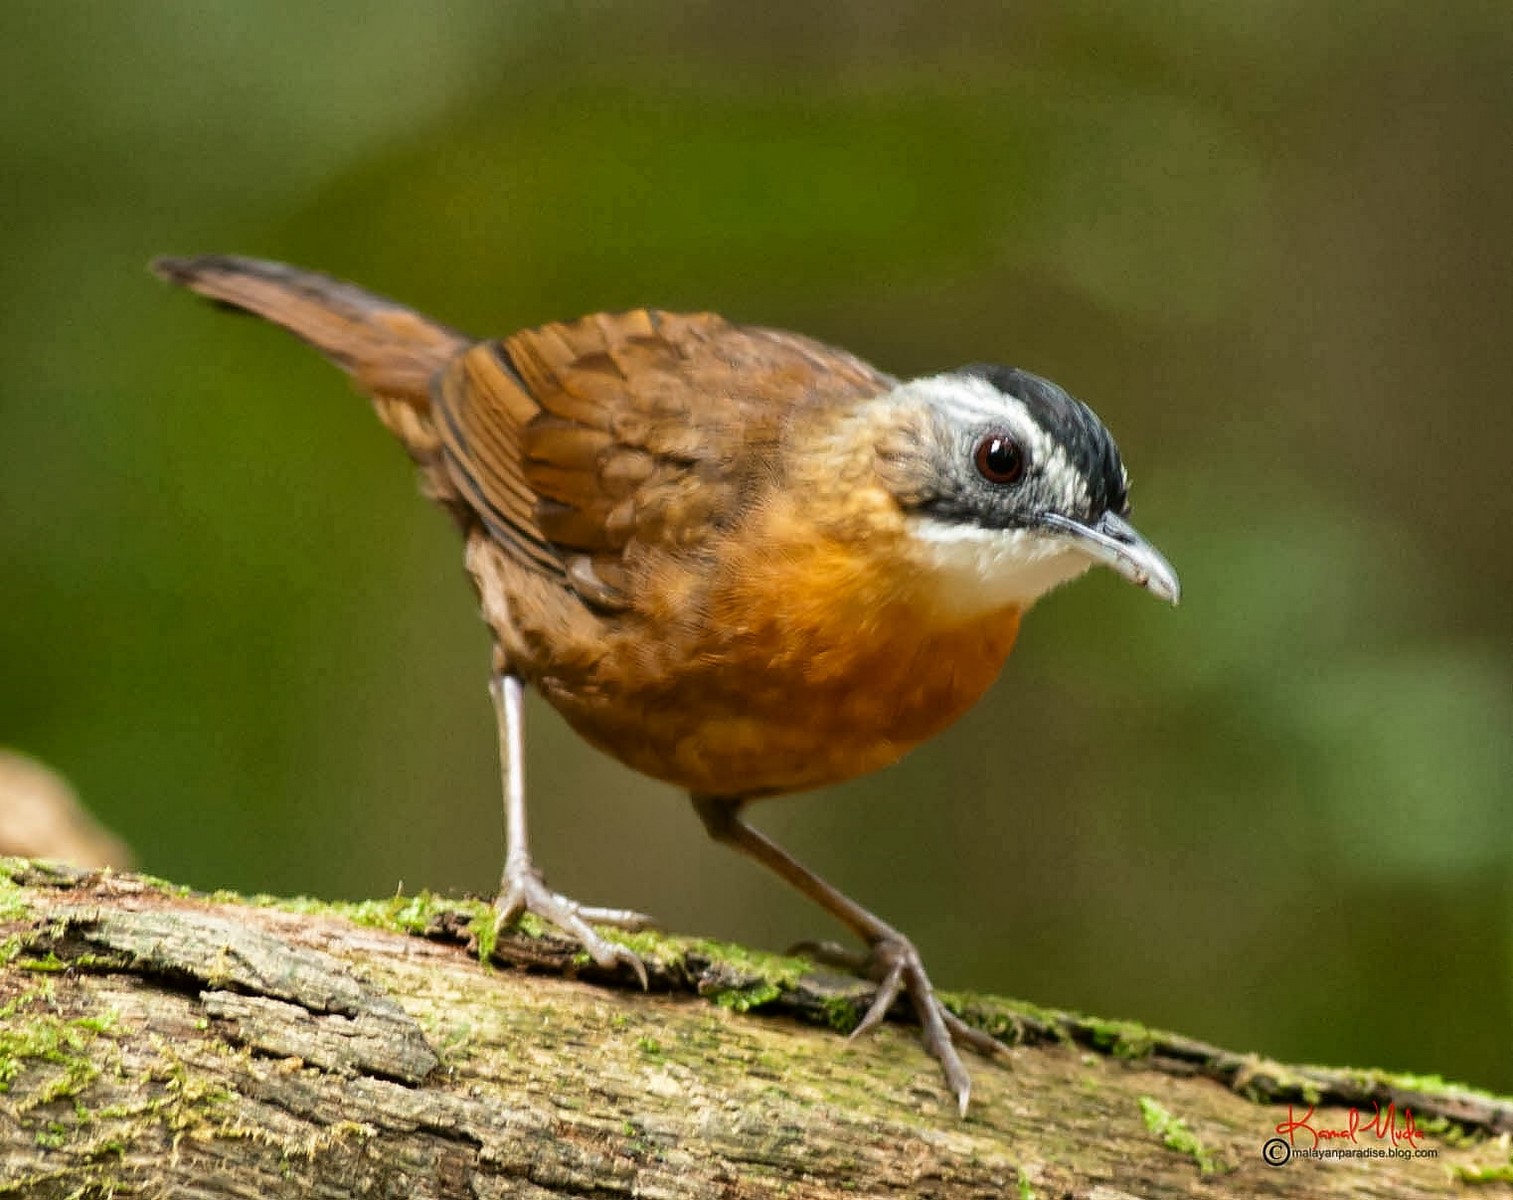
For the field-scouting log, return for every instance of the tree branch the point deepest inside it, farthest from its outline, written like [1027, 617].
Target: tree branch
[156, 1042]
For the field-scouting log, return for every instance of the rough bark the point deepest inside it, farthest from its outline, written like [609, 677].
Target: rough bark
[155, 1042]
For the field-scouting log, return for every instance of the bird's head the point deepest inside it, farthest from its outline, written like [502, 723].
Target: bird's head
[1008, 487]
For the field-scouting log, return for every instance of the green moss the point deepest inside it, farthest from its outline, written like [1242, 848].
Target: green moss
[422, 913]
[49, 964]
[1431, 1085]
[1122, 1039]
[842, 1013]
[755, 977]
[31, 1185]
[186, 1103]
[1447, 1131]
[306, 906]
[1263, 1082]
[650, 1047]
[744, 999]
[1005, 1020]
[13, 905]
[742, 979]
[640, 941]
[733, 976]
[532, 926]
[485, 929]
[1497, 1174]
[1022, 1184]
[1175, 1135]
[32, 1034]
[10, 948]
[166, 886]
[401, 914]
[780, 968]
[96, 1141]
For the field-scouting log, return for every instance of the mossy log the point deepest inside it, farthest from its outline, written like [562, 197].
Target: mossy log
[155, 1042]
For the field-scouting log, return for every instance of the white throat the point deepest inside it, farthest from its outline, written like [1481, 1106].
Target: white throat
[970, 571]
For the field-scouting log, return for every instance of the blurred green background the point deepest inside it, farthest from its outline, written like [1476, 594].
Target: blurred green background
[1269, 240]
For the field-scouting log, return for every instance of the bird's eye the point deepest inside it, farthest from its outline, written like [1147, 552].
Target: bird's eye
[999, 459]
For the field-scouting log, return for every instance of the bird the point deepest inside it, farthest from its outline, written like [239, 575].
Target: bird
[734, 558]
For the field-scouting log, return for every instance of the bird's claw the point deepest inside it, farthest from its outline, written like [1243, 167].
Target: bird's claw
[618, 918]
[896, 964]
[526, 892]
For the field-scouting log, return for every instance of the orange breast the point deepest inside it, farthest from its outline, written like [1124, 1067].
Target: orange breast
[810, 661]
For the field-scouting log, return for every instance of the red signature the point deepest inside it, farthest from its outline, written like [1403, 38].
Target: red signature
[1382, 1126]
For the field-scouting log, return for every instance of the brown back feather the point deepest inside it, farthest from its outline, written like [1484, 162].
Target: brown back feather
[635, 432]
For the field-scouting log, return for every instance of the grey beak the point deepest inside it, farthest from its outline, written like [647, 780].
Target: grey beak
[1116, 543]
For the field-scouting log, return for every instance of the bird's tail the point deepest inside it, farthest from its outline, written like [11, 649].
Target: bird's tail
[387, 348]
[392, 352]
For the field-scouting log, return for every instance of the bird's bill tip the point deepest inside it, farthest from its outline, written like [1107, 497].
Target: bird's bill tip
[1115, 543]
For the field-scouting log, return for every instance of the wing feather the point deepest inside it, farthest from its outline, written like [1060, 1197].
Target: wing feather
[583, 445]
[478, 420]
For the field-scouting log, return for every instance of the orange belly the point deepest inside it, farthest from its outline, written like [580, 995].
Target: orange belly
[803, 669]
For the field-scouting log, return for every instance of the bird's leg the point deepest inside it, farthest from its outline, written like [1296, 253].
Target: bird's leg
[893, 961]
[522, 888]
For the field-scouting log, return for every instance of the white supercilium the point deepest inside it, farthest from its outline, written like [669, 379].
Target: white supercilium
[972, 401]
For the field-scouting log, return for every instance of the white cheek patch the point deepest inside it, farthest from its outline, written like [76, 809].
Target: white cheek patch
[974, 571]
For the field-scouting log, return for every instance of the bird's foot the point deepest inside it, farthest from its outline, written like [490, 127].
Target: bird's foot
[526, 892]
[896, 965]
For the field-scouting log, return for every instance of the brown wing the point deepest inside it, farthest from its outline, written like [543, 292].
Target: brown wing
[578, 443]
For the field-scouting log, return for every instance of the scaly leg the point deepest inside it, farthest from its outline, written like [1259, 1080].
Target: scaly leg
[522, 889]
[893, 961]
